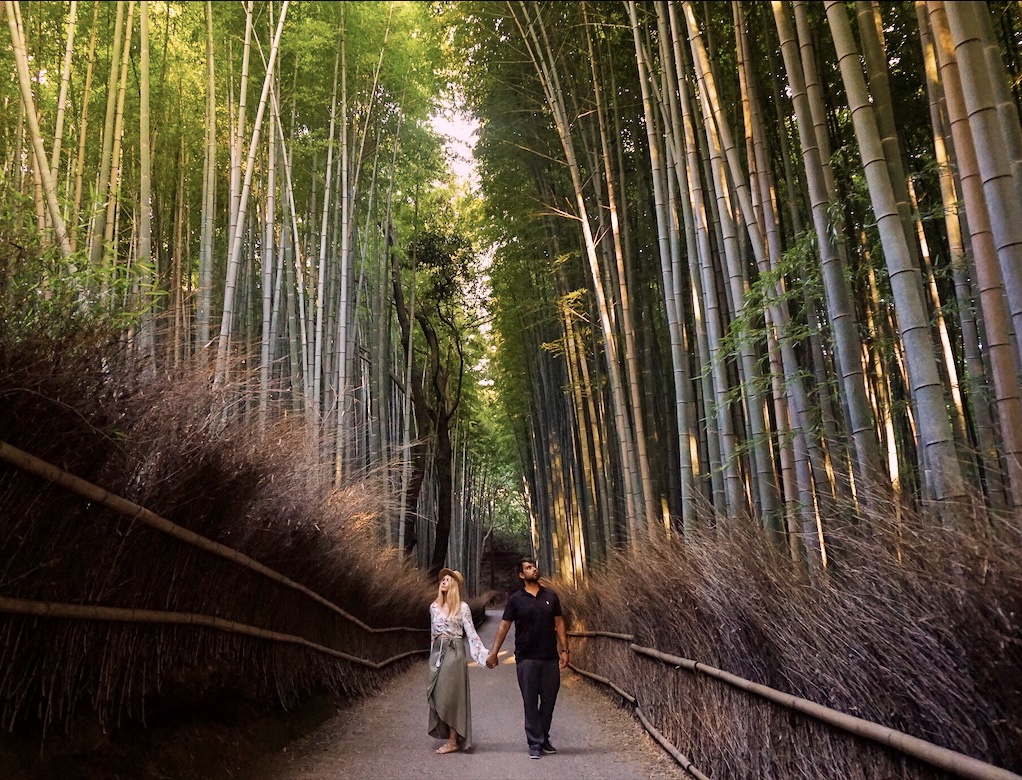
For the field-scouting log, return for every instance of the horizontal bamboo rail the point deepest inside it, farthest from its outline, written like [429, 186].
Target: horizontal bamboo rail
[665, 743]
[612, 635]
[123, 615]
[130, 509]
[654, 732]
[624, 695]
[935, 755]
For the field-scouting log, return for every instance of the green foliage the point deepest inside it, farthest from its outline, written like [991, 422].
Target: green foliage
[492, 447]
[43, 295]
[444, 262]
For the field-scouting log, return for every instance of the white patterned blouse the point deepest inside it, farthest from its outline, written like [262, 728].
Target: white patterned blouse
[458, 625]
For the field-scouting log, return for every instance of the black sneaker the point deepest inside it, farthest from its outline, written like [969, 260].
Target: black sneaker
[548, 748]
[534, 752]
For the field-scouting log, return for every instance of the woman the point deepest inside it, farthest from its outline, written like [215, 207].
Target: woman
[450, 711]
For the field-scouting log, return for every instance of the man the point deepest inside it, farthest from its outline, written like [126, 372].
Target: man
[541, 651]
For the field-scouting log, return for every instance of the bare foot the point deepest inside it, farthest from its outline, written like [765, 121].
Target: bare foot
[447, 747]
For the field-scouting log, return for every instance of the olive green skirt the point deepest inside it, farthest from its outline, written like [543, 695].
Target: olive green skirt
[447, 691]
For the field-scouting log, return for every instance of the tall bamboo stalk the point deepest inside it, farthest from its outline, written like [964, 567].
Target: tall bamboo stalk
[35, 133]
[942, 477]
[234, 259]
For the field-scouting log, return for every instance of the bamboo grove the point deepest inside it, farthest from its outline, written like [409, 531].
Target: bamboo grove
[749, 261]
[757, 260]
[256, 190]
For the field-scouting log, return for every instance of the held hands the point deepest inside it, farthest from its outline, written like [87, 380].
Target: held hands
[491, 660]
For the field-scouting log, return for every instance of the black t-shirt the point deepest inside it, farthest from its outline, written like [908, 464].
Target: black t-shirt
[533, 616]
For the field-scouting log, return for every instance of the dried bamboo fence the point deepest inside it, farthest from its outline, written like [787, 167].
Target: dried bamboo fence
[323, 639]
[951, 761]
[129, 509]
[116, 614]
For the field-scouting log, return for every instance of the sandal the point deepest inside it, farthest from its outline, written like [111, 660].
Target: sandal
[447, 748]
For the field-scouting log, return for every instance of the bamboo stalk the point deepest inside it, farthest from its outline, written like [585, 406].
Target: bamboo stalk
[935, 755]
[942, 758]
[125, 615]
[626, 696]
[626, 637]
[35, 134]
[123, 506]
[681, 758]
[665, 743]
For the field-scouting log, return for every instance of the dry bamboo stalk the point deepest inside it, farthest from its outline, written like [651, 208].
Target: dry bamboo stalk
[666, 744]
[626, 696]
[626, 637]
[940, 757]
[123, 506]
[124, 615]
[678, 756]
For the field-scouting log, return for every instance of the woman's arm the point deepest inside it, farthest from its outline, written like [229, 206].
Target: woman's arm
[432, 622]
[475, 644]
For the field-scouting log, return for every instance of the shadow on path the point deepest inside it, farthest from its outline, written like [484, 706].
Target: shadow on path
[385, 736]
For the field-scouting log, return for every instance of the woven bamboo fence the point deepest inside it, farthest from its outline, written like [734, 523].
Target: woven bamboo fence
[942, 758]
[129, 509]
[82, 636]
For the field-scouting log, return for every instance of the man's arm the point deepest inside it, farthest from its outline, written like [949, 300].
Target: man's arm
[563, 654]
[502, 629]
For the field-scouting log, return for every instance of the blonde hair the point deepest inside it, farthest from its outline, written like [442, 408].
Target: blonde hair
[451, 601]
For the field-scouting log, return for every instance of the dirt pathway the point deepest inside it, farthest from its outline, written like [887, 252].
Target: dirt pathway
[385, 736]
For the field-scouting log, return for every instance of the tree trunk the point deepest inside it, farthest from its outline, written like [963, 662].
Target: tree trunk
[147, 277]
[204, 293]
[720, 143]
[65, 78]
[942, 476]
[82, 129]
[669, 264]
[636, 467]
[35, 133]
[345, 255]
[269, 232]
[840, 310]
[114, 176]
[317, 369]
[991, 144]
[997, 322]
[234, 259]
[98, 223]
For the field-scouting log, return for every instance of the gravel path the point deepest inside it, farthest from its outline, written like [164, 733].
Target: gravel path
[385, 736]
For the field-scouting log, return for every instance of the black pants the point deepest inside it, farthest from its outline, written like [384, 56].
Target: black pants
[539, 682]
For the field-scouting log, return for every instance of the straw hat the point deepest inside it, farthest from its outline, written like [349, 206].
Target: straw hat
[455, 575]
